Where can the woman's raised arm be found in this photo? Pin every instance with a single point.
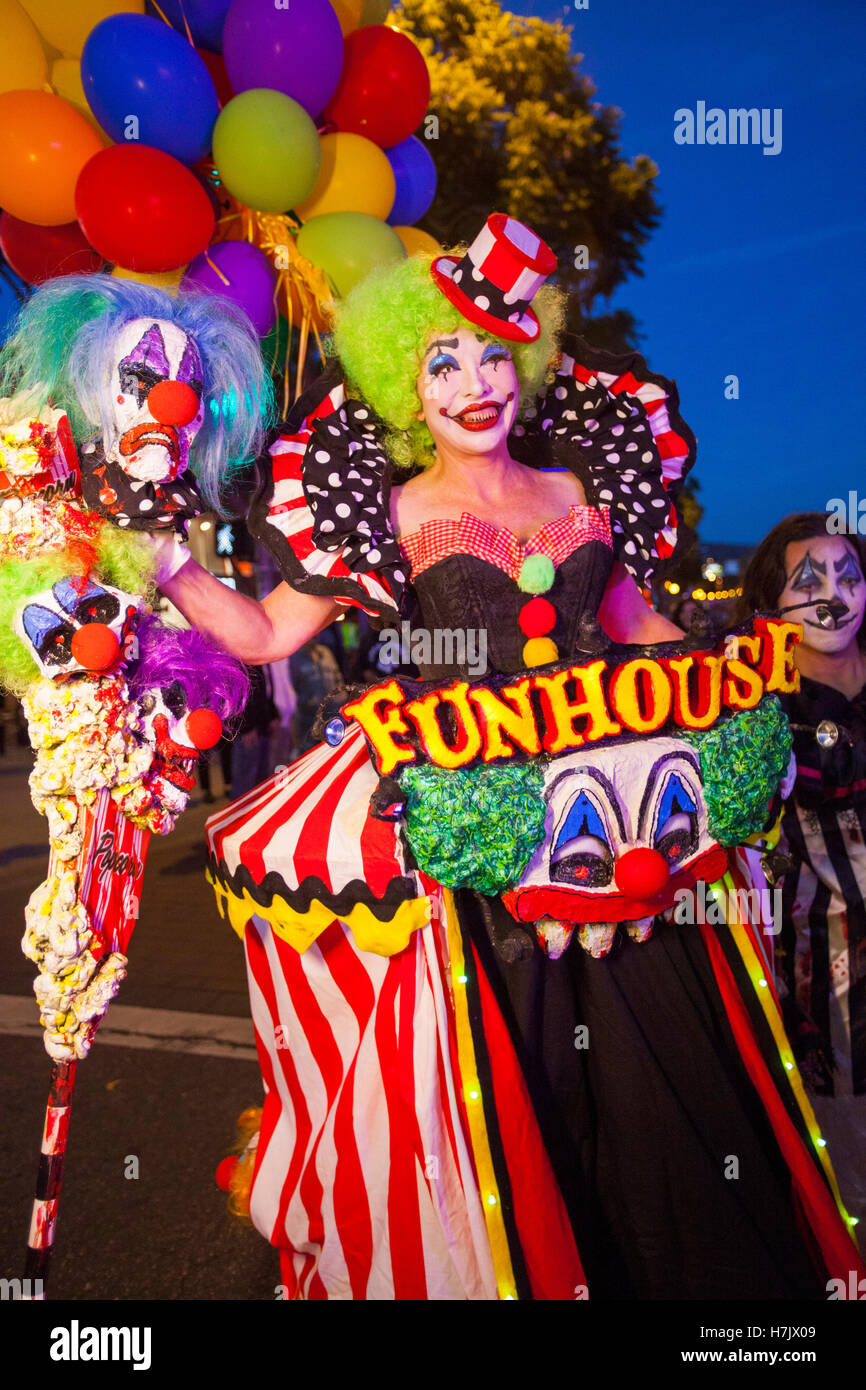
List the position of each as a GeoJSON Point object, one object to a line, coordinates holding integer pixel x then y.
{"type": "Point", "coordinates": [255, 632]}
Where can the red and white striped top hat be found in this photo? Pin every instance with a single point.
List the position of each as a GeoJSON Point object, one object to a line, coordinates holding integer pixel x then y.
{"type": "Point", "coordinates": [494, 283]}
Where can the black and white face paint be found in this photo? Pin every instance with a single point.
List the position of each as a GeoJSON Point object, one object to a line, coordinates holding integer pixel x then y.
{"type": "Point", "coordinates": [824, 570]}
{"type": "Point", "coordinates": [156, 400]}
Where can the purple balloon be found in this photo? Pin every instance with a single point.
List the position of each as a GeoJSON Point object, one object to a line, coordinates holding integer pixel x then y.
{"type": "Point", "coordinates": [251, 280]}
{"type": "Point", "coordinates": [296, 49]}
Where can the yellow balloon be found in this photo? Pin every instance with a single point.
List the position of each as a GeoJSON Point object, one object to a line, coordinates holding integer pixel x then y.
{"type": "Point", "coordinates": [418, 242]}
{"type": "Point", "coordinates": [66, 23]}
{"type": "Point", "coordinates": [349, 13]}
{"type": "Point", "coordinates": [66, 80]}
{"type": "Point", "coordinates": [355, 176]}
{"type": "Point", "coordinates": [167, 280]}
{"type": "Point", "coordinates": [22, 57]}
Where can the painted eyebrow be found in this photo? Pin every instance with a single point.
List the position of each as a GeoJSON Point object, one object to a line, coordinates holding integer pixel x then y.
{"type": "Point", "coordinates": [797, 574]}
{"type": "Point", "coordinates": [443, 343]}
{"type": "Point", "coordinates": [848, 567]}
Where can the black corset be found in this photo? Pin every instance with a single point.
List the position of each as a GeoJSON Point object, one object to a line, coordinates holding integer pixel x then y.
{"type": "Point", "coordinates": [463, 592]}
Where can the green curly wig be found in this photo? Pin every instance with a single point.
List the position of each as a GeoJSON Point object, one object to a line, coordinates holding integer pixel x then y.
{"type": "Point", "coordinates": [381, 332]}
{"type": "Point", "coordinates": [743, 760]}
{"type": "Point", "coordinates": [475, 827]}
{"type": "Point", "coordinates": [124, 561]}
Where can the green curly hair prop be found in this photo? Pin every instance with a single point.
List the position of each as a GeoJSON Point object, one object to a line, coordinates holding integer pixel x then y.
{"type": "Point", "coordinates": [124, 561]}
{"type": "Point", "coordinates": [381, 332]}
{"type": "Point", "coordinates": [475, 827]}
{"type": "Point", "coordinates": [743, 760]}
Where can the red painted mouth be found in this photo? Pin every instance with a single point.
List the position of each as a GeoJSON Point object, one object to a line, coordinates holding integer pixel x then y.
{"type": "Point", "coordinates": [480, 416]}
{"type": "Point", "coordinates": [178, 761]}
{"type": "Point", "coordinates": [142, 435]}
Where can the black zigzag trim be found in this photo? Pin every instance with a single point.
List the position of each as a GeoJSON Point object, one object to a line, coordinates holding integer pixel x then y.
{"type": "Point", "coordinates": [400, 889]}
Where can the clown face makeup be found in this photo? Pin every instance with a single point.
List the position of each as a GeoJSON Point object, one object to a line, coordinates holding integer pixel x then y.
{"type": "Point", "coordinates": [607, 858]}
{"type": "Point", "coordinates": [468, 390]}
{"type": "Point", "coordinates": [176, 734]}
{"type": "Point", "coordinates": [77, 627]}
{"type": "Point", "coordinates": [825, 569]}
{"type": "Point", "coordinates": [156, 400]}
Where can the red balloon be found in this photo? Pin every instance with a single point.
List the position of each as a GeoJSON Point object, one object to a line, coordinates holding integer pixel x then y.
{"type": "Point", "coordinates": [215, 64]}
{"type": "Point", "coordinates": [384, 86]}
{"type": "Point", "coordinates": [40, 253]}
{"type": "Point", "coordinates": [225, 1172]}
{"type": "Point", "coordinates": [641, 873]}
{"type": "Point", "coordinates": [143, 209]}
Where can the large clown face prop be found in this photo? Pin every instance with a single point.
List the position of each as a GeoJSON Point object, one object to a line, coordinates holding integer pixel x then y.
{"type": "Point", "coordinates": [626, 828]}
{"type": "Point", "coordinates": [78, 627]}
{"type": "Point", "coordinates": [156, 400]}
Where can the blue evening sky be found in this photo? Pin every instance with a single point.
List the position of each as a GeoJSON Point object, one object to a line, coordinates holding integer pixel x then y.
{"type": "Point", "coordinates": [757, 266]}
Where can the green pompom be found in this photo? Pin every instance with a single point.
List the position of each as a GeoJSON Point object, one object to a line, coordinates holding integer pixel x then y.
{"type": "Point", "coordinates": [743, 760]}
{"type": "Point", "coordinates": [475, 827]}
{"type": "Point", "coordinates": [536, 574]}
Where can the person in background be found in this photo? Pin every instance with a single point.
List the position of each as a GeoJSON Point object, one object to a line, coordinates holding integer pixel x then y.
{"type": "Point", "coordinates": [251, 750]}
{"type": "Point", "coordinates": [315, 671]}
{"type": "Point", "coordinates": [818, 578]}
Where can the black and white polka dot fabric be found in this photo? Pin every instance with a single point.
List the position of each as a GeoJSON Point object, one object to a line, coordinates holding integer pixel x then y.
{"type": "Point", "coordinates": [135, 504]}
{"type": "Point", "coordinates": [345, 487]}
{"type": "Point", "coordinates": [630, 447]}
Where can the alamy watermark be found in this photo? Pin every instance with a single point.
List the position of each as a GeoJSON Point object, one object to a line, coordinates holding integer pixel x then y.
{"type": "Point", "coordinates": [737, 126]}
{"type": "Point", "coordinates": [846, 516]}
{"type": "Point", "coordinates": [761, 907]}
{"type": "Point", "coordinates": [465, 647]}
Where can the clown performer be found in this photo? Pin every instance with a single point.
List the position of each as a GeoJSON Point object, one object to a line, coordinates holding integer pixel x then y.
{"type": "Point", "coordinates": [818, 576]}
{"type": "Point", "coordinates": [496, 1065]}
{"type": "Point", "coordinates": [113, 421]}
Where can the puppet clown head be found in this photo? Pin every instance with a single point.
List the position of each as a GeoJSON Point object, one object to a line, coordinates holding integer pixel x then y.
{"type": "Point", "coordinates": [156, 402]}
{"type": "Point", "coordinates": [626, 829]}
{"type": "Point", "coordinates": [80, 626]}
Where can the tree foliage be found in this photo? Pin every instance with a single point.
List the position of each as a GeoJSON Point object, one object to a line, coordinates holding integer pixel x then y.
{"type": "Point", "coordinates": [519, 132]}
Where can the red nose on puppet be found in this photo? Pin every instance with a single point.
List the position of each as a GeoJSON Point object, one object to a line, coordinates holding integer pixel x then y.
{"type": "Point", "coordinates": [204, 727]}
{"type": "Point", "coordinates": [95, 647]}
{"type": "Point", "coordinates": [641, 873]}
{"type": "Point", "coordinates": [172, 402]}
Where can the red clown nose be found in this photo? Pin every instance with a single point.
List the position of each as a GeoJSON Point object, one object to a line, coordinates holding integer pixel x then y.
{"type": "Point", "coordinates": [204, 727]}
{"type": "Point", "coordinates": [172, 402]}
{"type": "Point", "coordinates": [95, 647]}
{"type": "Point", "coordinates": [641, 873]}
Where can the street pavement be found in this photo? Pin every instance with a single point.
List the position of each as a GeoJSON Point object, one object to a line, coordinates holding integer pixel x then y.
{"type": "Point", "coordinates": [169, 1073]}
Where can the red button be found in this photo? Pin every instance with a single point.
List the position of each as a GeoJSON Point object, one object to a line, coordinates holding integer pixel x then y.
{"type": "Point", "coordinates": [537, 617]}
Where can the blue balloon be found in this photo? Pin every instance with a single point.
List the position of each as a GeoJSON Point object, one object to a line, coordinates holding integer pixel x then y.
{"type": "Point", "coordinates": [415, 174]}
{"type": "Point", "coordinates": [144, 82]}
{"type": "Point", "coordinates": [204, 17]}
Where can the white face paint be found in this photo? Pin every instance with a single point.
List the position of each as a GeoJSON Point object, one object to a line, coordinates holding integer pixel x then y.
{"type": "Point", "coordinates": [468, 390]}
{"type": "Point", "coordinates": [824, 569]}
{"type": "Point", "coordinates": [150, 434]}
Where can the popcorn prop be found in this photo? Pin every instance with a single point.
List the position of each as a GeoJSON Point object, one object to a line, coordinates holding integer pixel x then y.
{"type": "Point", "coordinates": [118, 704]}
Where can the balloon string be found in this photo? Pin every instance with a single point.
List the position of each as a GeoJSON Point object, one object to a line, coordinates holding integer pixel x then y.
{"type": "Point", "coordinates": [215, 268]}
{"type": "Point", "coordinates": [185, 22]}
{"type": "Point", "coordinates": [161, 14]}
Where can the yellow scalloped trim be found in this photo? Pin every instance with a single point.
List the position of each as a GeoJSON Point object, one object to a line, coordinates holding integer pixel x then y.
{"type": "Point", "coordinates": [300, 929]}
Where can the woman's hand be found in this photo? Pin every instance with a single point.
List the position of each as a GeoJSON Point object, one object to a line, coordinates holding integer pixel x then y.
{"type": "Point", "coordinates": [255, 632]}
{"type": "Point", "coordinates": [626, 616]}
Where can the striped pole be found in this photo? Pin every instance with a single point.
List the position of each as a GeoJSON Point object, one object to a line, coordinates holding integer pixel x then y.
{"type": "Point", "coordinates": [49, 1178]}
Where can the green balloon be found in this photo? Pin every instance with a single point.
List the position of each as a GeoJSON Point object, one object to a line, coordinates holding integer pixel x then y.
{"type": "Point", "coordinates": [266, 150]}
{"type": "Point", "coordinates": [348, 245]}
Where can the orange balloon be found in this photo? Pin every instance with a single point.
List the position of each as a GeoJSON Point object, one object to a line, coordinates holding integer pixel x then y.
{"type": "Point", "coordinates": [44, 145]}
{"type": "Point", "coordinates": [418, 242]}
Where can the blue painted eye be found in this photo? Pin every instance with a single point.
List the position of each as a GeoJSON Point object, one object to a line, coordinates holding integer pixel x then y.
{"type": "Point", "coordinates": [676, 827]}
{"type": "Point", "coordinates": [675, 801]}
{"type": "Point", "coordinates": [494, 353]}
{"type": "Point", "coordinates": [442, 362]}
{"type": "Point", "coordinates": [582, 820]}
